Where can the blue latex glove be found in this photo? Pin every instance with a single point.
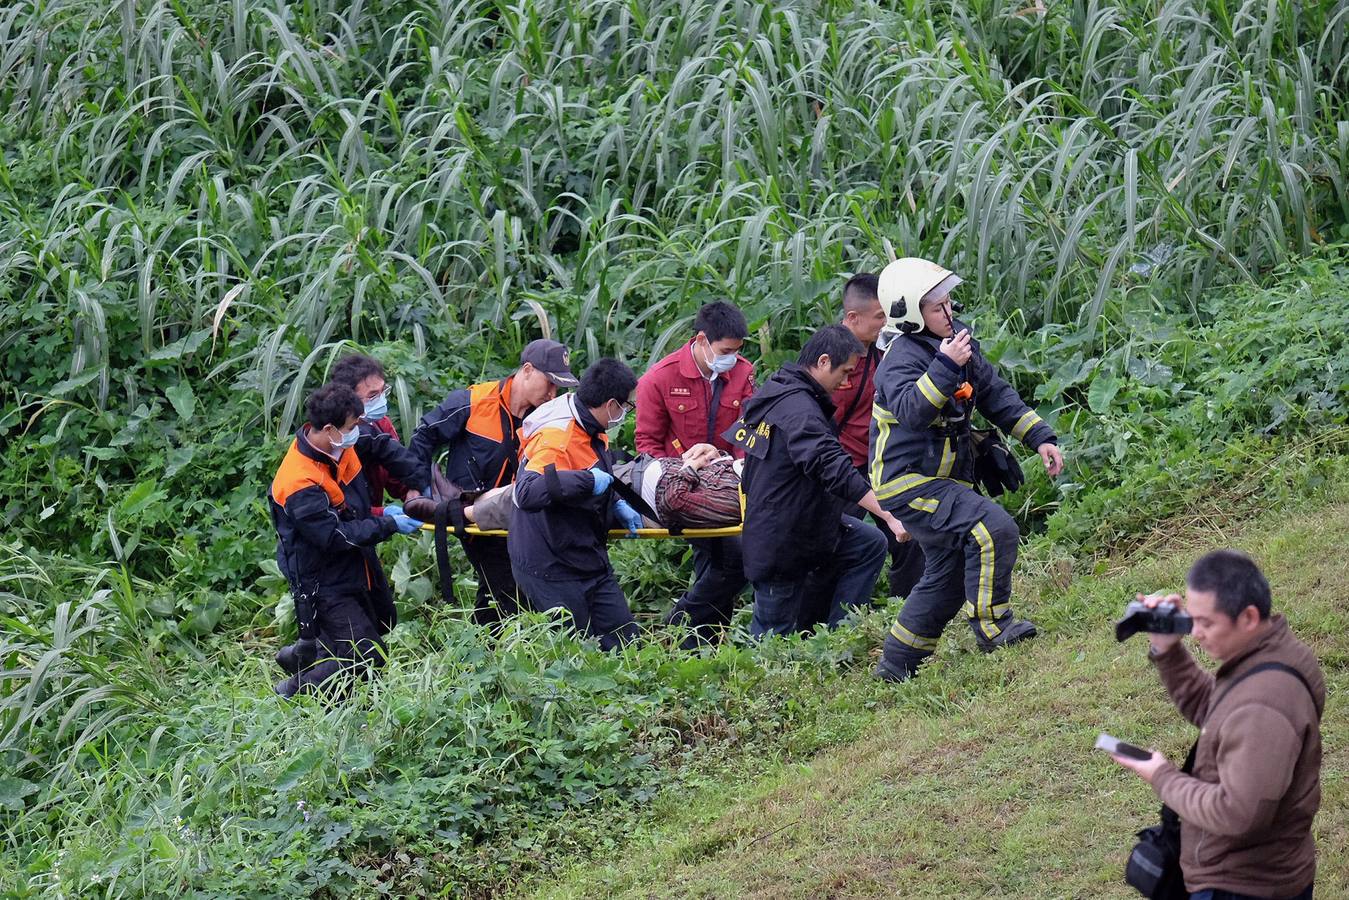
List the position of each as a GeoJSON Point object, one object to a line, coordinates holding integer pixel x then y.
{"type": "Point", "coordinates": [629, 517]}
{"type": "Point", "coordinates": [406, 524]}
{"type": "Point", "coordinates": [602, 481]}
{"type": "Point", "coordinates": [393, 509]}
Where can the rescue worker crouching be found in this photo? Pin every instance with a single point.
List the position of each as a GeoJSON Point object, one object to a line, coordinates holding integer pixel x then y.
{"type": "Point", "coordinates": [365, 376]}
{"type": "Point", "coordinates": [564, 498]}
{"type": "Point", "coordinates": [923, 467]}
{"type": "Point", "coordinates": [481, 427]}
{"type": "Point", "coordinates": [809, 562]}
{"type": "Point", "coordinates": [326, 538]}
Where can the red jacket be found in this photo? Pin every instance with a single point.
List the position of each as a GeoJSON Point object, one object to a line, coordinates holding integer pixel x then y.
{"type": "Point", "coordinates": [377, 477]}
{"type": "Point", "coordinates": [673, 399]}
{"type": "Point", "coordinates": [852, 407]}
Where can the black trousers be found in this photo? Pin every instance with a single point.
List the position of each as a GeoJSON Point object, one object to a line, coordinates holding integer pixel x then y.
{"type": "Point", "coordinates": [498, 594]}
{"type": "Point", "coordinates": [969, 545]}
{"type": "Point", "coordinates": [350, 642]}
{"type": "Point", "coordinates": [597, 605]}
{"type": "Point", "coordinates": [718, 581]}
{"type": "Point", "coordinates": [906, 559]}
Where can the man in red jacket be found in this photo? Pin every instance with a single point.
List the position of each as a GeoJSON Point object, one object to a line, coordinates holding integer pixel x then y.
{"type": "Point", "coordinates": [365, 376]}
{"type": "Point", "coordinates": [863, 316]}
{"type": "Point", "coordinates": [691, 397]}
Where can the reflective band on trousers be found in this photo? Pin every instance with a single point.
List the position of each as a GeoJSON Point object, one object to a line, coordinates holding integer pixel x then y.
{"type": "Point", "coordinates": [983, 601]}
{"type": "Point", "coordinates": [905, 636]}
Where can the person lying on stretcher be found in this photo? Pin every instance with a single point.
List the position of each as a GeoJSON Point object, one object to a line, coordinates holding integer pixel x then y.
{"type": "Point", "coordinates": [700, 489]}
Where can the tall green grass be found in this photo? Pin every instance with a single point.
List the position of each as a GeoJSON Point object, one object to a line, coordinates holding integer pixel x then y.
{"type": "Point", "coordinates": [281, 177]}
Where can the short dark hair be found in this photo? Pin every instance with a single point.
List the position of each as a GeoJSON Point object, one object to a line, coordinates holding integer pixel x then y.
{"type": "Point", "coordinates": [332, 404]}
{"type": "Point", "coordinates": [351, 370]}
{"type": "Point", "coordinates": [862, 290]}
{"type": "Point", "coordinates": [719, 320]}
{"type": "Point", "coordinates": [835, 340]}
{"type": "Point", "coordinates": [1232, 577]}
{"type": "Point", "coordinates": [606, 379]}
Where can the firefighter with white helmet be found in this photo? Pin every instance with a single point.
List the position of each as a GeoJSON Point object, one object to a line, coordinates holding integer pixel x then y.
{"type": "Point", "coordinates": [932, 379]}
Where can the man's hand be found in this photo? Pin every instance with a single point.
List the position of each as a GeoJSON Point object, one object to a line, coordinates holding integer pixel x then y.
{"type": "Point", "coordinates": [1146, 769]}
{"type": "Point", "coordinates": [700, 455]}
{"type": "Point", "coordinates": [1161, 642]}
{"type": "Point", "coordinates": [1053, 458]}
{"type": "Point", "coordinates": [957, 349]}
{"type": "Point", "coordinates": [897, 528]}
{"type": "Point", "coordinates": [393, 509]}
{"type": "Point", "coordinates": [406, 524]}
{"type": "Point", "coordinates": [411, 495]}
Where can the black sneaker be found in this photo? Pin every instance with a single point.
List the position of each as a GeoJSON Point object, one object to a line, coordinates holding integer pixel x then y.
{"type": "Point", "coordinates": [1015, 632]}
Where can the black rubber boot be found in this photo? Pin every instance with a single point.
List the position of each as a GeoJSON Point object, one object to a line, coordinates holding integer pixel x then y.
{"type": "Point", "coordinates": [287, 687]}
{"type": "Point", "coordinates": [1014, 632]}
{"type": "Point", "coordinates": [898, 662]}
{"type": "Point", "coordinates": [285, 658]}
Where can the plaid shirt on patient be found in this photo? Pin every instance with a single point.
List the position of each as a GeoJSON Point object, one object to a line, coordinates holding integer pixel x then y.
{"type": "Point", "coordinates": [707, 498]}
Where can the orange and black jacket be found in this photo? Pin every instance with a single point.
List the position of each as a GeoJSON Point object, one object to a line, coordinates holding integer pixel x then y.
{"type": "Point", "coordinates": [559, 527]}
{"type": "Point", "coordinates": [326, 535]}
{"type": "Point", "coordinates": [482, 435]}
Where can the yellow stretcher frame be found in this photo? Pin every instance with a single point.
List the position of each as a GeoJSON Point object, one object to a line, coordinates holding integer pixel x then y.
{"type": "Point", "coordinates": [618, 533]}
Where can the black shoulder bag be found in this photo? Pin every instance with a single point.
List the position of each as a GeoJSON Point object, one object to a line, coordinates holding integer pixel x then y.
{"type": "Point", "coordinates": [1153, 867]}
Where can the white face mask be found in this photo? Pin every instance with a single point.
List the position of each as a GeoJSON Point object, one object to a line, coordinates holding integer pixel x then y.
{"type": "Point", "coordinates": [721, 363]}
{"type": "Point", "coordinates": [347, 439]}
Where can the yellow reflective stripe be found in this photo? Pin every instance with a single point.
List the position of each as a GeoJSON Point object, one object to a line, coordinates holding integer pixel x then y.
{"type": "Point", "coordinates": [928, 387]}
{"type": "Point", "coordinates": [948, 458]}
{"type": "Point", "coordinates": [1024, 424]}
{"type": "Point", "coordinates": [983, 601]}
{"type": "Point", "coordinates": [924, 504]}
{"type": "Point", "coordinates": [881, 414]}
{"type": "Point", "coordinates": [905, 636]}
{"type": "Point", "coordinates": [878, 455]}
{"type": "Point", "coordinates": [997, 609]}
{"type": "Point", "coordinates": [897, 486]}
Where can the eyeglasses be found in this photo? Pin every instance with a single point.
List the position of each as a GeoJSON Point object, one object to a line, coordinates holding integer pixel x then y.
{"type": "Point", "coordinates": [382, 395]}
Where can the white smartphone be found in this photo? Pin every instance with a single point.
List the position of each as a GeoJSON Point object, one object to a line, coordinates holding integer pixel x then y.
{"type": "Point", "coordinates": [1115, 745]}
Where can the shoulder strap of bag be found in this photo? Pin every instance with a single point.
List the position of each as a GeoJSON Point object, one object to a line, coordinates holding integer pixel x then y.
{"type": "Point", "coordinates": [1264, 667]}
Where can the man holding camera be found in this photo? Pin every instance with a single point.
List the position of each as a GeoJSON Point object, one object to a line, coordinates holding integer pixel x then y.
{"type": "Point", "coordinates": [1246, 806]}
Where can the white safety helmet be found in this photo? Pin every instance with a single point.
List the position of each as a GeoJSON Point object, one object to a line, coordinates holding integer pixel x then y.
{"type": "Point", "coordinates": [904, 284]}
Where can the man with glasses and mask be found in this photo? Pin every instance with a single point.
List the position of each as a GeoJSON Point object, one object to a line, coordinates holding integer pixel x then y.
{"type": "Point", "coordinates": [480, 427]}
{"type": "Point", "coordinates": [326, 538]}
{"type": "Point", "coordinates": [365, 376]}
{"type": "Point", "coordinates": [565, 501]}
{"type": "Point", "coordinates": [692, 397]}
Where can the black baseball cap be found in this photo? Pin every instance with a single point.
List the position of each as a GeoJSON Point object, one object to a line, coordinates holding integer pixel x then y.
{"type": "Point", "coordinates": [552, 359]}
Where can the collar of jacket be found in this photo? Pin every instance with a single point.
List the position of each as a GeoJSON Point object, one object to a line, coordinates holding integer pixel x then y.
{"type": "Point", "coordinates": [1276, 630]}
{"type": "Point", "coordinates": [586, 420]}
{"type": "Point", "coordinates": [688, 368]}
{"type": "Point", "coordinates": [314, 453]}
{"type": "Point", "coordinates": [798, 372]}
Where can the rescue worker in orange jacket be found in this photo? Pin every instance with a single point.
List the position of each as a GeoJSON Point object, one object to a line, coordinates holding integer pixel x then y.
{"type": "Point", "coordinates": [326, 539]}
{"type": "Point", "coordinates": [565, 501]}
{"type": "Point", "coordinates": [481, 427]}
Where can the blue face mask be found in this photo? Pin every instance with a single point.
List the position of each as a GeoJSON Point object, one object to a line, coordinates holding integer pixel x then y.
{"type": "Point", "coordinates": [376, 409]}
{"type": "Point", "coordinates": [348, 439]}
{"type": "Point", "coordinates": [719, 363]}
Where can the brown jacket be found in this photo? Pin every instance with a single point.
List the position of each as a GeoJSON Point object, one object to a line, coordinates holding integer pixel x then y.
{"type": "Point", "coordinates": [1246, 812]}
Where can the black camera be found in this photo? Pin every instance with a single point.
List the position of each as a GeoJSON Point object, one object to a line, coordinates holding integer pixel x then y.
{"type": "Point", "coordinates": [1164, 618]}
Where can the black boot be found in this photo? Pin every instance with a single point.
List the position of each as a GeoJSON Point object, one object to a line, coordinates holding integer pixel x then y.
{"type": "Point", "coordinates": [1013, 632]}
{"type": "Point", "coordinates": [898, 662]}
{"type": "Point", "coordinates": [285, 658]}
{"type": "Point", "coordinates": [287, 687]}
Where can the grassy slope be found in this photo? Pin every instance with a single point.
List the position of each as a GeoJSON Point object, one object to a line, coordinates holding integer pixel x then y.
{"type": "Point", "coordinates": [982, 780]}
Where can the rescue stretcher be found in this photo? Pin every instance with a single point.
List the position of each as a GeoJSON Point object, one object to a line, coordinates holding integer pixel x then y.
{"type": "Point", "coordinates": [618, 533]}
